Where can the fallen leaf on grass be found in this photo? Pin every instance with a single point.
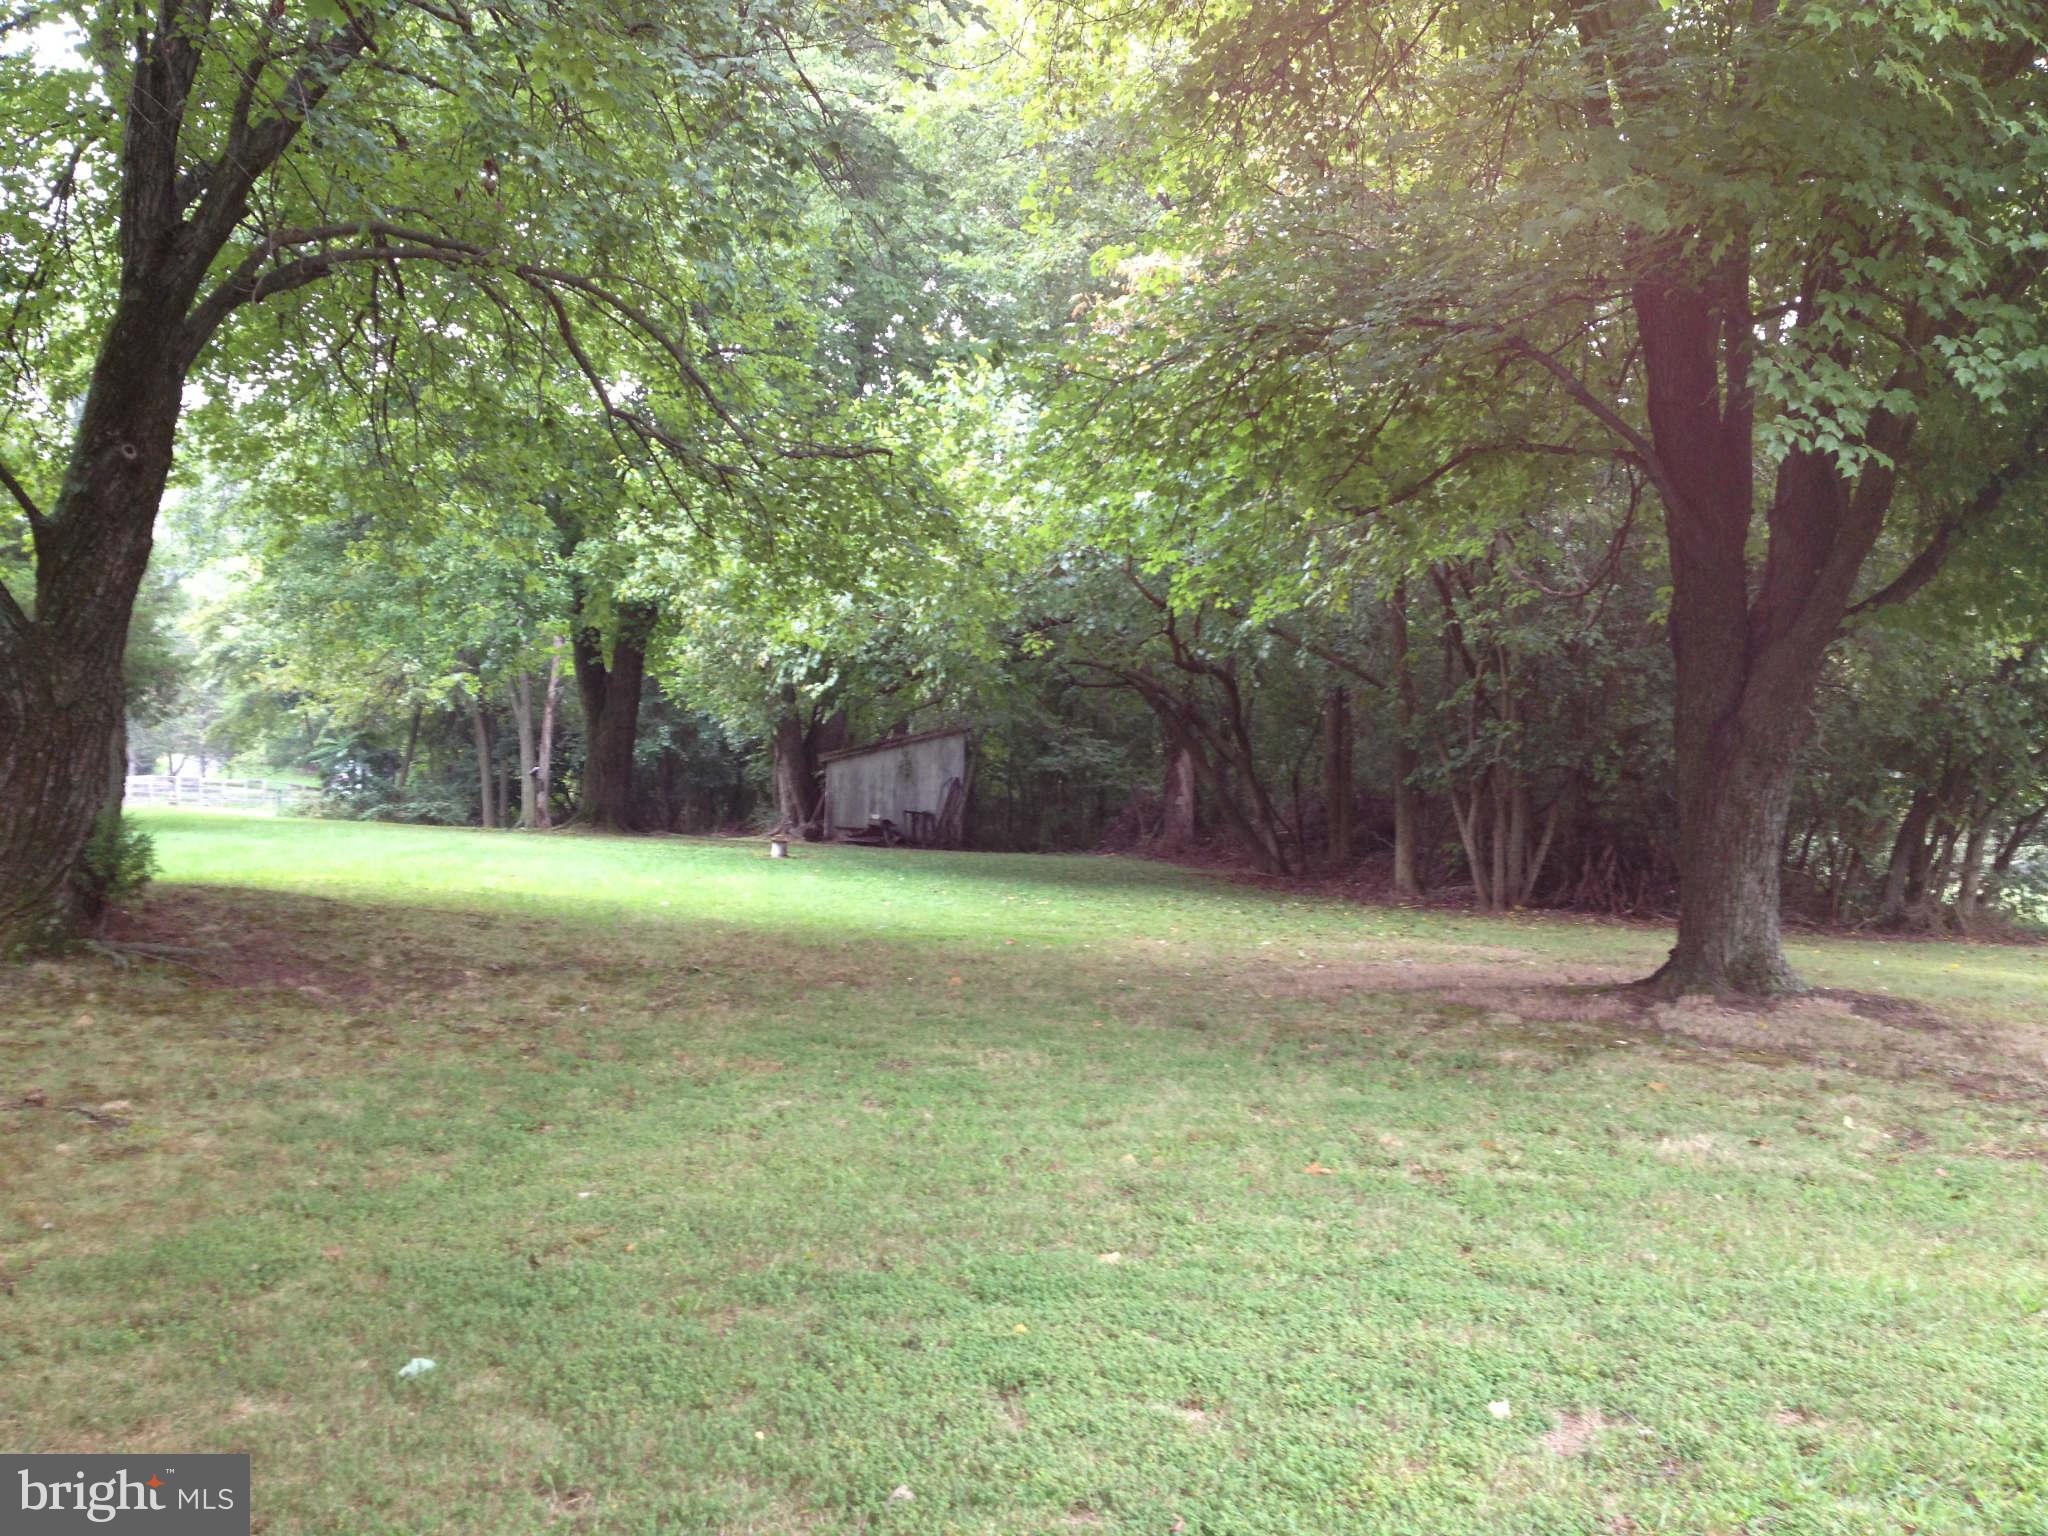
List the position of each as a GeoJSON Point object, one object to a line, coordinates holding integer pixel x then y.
{"type": "Point", "coordinates": [1657, 1088]}
{"type": "Point", "coordinates": [1317, 1168]}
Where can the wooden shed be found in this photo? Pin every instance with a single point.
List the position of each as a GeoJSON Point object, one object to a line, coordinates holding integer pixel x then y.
{"type": "Point", "coordinates": [902, 789]}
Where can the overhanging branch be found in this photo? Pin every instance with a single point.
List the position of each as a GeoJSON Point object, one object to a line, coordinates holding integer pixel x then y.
{"type": "Point", "coordinates": [12, 615]}
{"type": "Point", "coordinates": [1639, 445]}
{"type": "Point", "coordinates": [254, 280]}
{"type": "Point", "coordinates": [1928, 562]}
{"type": "Point", "coordinates": [38, 523]}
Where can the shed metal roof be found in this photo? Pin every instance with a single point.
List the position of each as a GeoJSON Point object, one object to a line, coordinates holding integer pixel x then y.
{"type": "Point", "coordinates": [888, 742]}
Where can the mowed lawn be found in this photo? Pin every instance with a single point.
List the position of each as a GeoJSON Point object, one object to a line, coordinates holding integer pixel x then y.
{"type": "Point", "coordinates": [898, 1192]}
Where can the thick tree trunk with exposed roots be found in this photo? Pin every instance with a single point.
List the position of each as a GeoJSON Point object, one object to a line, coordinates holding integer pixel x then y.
{"type": "Point", "coordinates": [1732, 837]}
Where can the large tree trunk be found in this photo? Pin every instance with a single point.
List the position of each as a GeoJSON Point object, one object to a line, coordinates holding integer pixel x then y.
{"type": "Point", "coordinates": [611, 692]}
{"type": "Point", "coordinates": [62, 705]}
{"type": "Point", "coordinates": [1731, 834]}
{"type": "Point", "coordinates": [1746, 664]}
{"type": "Point", "coordinates": [63, 700]}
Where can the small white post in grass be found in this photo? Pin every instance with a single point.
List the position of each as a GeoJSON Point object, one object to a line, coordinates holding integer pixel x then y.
{"type": "Point", "coordinates": [778, 844]}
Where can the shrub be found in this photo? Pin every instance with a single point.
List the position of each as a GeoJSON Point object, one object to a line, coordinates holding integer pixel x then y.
{"type": "Point", "coordinates": [120, 858]}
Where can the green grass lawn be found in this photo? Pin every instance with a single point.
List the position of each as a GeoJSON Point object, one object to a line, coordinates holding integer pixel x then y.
{"type": "Point", "coordinates": [894, 1192]}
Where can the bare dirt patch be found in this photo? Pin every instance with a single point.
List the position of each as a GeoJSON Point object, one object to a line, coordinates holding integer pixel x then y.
{"type": "Point", "coordinates": [1857, 1031]}
{"type": "Point", "coordinates": [272, 942]}
{"type": "Point", "coordinates": [1574, 1433]}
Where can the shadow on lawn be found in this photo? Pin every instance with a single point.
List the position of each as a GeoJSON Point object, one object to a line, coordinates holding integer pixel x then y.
{"type": "Point", "coordinates": [365, 956]}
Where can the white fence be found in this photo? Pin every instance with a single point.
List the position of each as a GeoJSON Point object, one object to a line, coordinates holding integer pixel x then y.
{"type": "Point", "coordinates": [194, 793]}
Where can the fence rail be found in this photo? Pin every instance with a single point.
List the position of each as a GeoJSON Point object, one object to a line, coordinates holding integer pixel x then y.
{"type": "Point", "coordinates": [213, 794]}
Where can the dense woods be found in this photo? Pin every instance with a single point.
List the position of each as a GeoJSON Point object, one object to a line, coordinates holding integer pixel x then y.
{"type": "Point", "coordinates": [1584, 456]}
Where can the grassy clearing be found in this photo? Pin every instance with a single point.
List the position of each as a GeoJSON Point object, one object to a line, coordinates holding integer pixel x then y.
{"type": "Point", "coordinates": [1064, 1194]}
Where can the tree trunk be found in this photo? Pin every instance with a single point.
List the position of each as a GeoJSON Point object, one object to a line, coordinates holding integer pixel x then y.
{"type": "Point", "coordinates": [611, 692]}
{"type": "Point", "coordinates": [412, 747]}
{"type": "Point", "coordinates": [63, 706]}
{"type": "Point", "coordinates": [1907, 847]}
{"type": "Point", "coordinates": [1746, 666]}
{"type": "Point", "coordinates": [1472, 834]}
{"type": "Point", "coordinates": [1338, 785]}
{"type": "Point", "coordinates": [1407, 761]}
{"type": "Point", "coordinates": [1254, 823]}
{"type": "Point", "coordinates": [544, 758]}
{"type": "Point", "coordinates": [62, 690]}
{"type": "Point", "coordinates": [796, 794]}
{"type": "Point", "coordinates": [480, 733]}
{"type": "Point", "coordinates": [1969, 882]}
{"type": "Point", "coordinates": [522, 722]}
{"type": "Point", "coordinates": [1177, 799]}
{"type": "Point", "coordinates": [1731, 829]}
{"type": "Point", "coordinates": [2022, 832]}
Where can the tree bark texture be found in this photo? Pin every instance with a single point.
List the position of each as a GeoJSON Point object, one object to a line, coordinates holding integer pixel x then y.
{"type": "Point", "coordinates": [544, 761]}
{"type": "Point", "coordinates": [1338, 783]}
{"type": "Point", "coordinates": [63, 695]}
{"type": "Point", "coordinates": [522, 721]}
{"type": "Point", "coordinates": [611, 688]}
{"type": "Point", "coordinates": [1407, 760]}
{"type": "Point", "coordinates": [1177, 800]}
{"type": "Point", "coordinates": [480, 735]}
{"type": "Point", "coordinates": [1747, 661]}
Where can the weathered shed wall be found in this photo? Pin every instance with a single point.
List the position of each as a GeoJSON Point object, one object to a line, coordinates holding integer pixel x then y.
{"type": "Point", "coordinates": [892, 780]}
